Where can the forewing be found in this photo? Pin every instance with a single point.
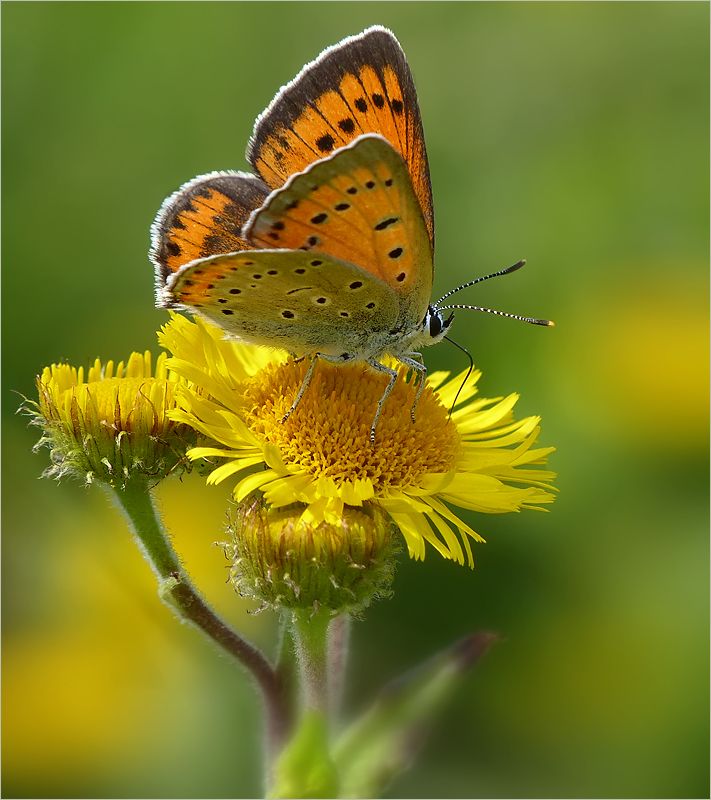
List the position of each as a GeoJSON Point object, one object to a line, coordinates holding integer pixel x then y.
{"type": "Point", "coordinates": [203, 218]}
{"type": "Point", "coordinates": [304, 302]}
{"type": "Point", "coordinates": [361, 85]}
{"type": "Point", "coordinates": [357, 205]}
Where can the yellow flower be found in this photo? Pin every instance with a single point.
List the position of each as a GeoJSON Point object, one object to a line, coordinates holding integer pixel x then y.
{"type": "Point", "coordinates": [478, 458]}
{"type": "Point", "coordinates": [114, 424]}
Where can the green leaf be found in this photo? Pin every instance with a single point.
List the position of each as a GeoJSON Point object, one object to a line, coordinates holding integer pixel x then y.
{"type": "Point", "coordinates": [385, 740]}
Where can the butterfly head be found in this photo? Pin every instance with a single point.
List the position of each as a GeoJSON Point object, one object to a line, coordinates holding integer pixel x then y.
{"type": "Point", "coordinates": [431, 330]}
{"type": "Point", "coordinates": [435, 326]}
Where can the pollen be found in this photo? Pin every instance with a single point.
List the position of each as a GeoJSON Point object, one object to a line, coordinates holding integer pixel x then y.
{"type": "Point", "coordinates": [328, 433]}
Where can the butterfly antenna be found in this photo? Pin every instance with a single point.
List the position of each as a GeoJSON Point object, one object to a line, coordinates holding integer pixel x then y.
{"type": "Point", "coordinates": [466, 377]}
{"type": "Point", "coordinates": [546, 322]}
{"type": "Point", "coordinates": [506, 271]}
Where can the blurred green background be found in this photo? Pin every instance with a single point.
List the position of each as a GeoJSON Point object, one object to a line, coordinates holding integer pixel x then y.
{"type": "Point", "coordinates": [572, 134]}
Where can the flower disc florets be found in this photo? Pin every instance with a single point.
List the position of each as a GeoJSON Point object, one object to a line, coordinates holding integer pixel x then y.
{"type": "Point", "coordinates": [113, 425]}
{"type": "Point", "coordinates": [328, 433]}
{"type": "Point", "coordinates": [284, 562]}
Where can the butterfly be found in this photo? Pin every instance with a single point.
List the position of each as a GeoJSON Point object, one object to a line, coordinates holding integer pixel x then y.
{"type": "Point", "coordinates": [327, 249]}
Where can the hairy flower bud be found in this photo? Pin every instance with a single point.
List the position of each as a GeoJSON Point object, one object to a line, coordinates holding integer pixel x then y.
{"type": "Point", "coordinates": [287, 563]}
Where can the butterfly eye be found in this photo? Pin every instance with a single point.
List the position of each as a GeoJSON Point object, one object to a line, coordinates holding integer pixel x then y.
{"type": "Point", "coordinates": [435, 325]}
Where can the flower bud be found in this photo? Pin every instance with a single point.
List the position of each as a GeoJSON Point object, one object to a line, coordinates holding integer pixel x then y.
{"type": "Point", "coordinates": [285, 562]}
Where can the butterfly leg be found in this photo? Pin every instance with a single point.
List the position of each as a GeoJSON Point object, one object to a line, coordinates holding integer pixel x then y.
{"type": "Point", "coordinates": [419, 367]}
{"type": "Point", "coordinates": [376, 365]}
{"type": "Point", "coordinates": [342, 359]}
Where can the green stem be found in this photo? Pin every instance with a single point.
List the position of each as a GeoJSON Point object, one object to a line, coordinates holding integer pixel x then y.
{"type": "Point", "coordinates": [311, 635]}
{"type": "Point", "coordinates": [305, 767]}
{"type": "Point", "coordinates": [339, 636]}
{"type": "Point", "coordinates": [177, 592]}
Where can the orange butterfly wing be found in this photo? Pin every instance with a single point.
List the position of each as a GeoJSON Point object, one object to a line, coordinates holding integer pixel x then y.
{"type": "Point", "coordinates": [204, 217]}
{"type": "Point", "coordinates": [359, 206]}
{"type": "Point", "coordinates": [361, 85]}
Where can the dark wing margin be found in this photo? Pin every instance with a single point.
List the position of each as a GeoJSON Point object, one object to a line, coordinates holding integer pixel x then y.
{"type": "Point", "coordinates": [203, 218]}
{"type": "Point", "coordinates": [361, 85]}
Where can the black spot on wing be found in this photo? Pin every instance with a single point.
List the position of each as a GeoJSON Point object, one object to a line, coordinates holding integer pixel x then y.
{"type": "Point", "coordinates": [325, 143]}
{"type": "Point", "coordinates": [386, 223]}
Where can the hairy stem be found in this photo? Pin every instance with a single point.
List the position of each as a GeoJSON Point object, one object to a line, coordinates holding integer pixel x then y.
{"type": "Point", "coordinates": [311, 636]}
{"type": "Point", "coordinates": [338, 659]}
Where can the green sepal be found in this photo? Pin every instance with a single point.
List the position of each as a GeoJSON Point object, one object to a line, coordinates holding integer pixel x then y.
{"type": "Point", "coordinates": [384, 741]}
{"type": "Point", "coordinates": [305, 767]}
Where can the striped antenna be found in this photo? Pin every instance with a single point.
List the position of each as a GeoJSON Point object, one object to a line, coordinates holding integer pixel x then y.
{"type": "Point", "coordinates": [506, 271]}
{"type": "Point", "coordinates": [545, 322]}
{"type": "Point", "coordinates": [548, 323]}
